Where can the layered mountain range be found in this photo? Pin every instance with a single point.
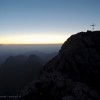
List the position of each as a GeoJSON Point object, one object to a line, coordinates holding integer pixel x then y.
{"type": "Point", "coordinates": [74, 74]}
{"type": "Point", "coordinates": [18, 71]}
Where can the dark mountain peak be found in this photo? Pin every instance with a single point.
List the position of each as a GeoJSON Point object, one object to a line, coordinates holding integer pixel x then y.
{"type": "Point", "coordinates": [79, 57]}
{"type": "Point", "coordinates": [34, 58]}
{"type": "Point", "coordinates": [77, 39]}
{"type": "Point", "coordinates": [17, 71]}
{"type": "Point", "coordinates": [10, 57]}
{"type": "Point", "coordinates": [74, 73]}
{"type": "Point", "coordinates": [18, 57]}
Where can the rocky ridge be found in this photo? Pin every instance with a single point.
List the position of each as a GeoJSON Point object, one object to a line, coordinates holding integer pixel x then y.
{"type": "Point", "coordinates": [73, 74]}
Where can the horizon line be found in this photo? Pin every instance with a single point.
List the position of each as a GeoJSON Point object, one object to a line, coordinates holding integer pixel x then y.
{"type": "Point", "coordinates": [30, 43]}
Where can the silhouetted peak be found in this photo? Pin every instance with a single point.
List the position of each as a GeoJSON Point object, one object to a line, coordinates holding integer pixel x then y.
{"type": "Point", "coordinates": [78, 40]}
{"type": "Point", "coordinates": [35, 59]}
{"type": "Point", "coordinates": [74, 73]}
{"type": "Point", "coordinates": [9, 59]}
{"type": "Point", "coordinates": [17, 71]}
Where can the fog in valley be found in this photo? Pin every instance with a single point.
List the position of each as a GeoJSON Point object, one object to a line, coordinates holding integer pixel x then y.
{"type": "Point", "coordinates": [22, 64]}
{"type": "Point", "coordinates": [41, 50]}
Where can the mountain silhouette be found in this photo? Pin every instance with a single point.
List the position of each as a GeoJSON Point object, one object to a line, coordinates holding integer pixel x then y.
{"type": "Point", "coordinates": [43, 55]}
{"type": "Point", "coordinates": [18, 71]}
{"type": "Point", "coordinates": [74, 74]}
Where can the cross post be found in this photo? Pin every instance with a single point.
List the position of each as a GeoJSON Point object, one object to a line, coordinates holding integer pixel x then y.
{"type": "Point", "coordinates": [93, 25]}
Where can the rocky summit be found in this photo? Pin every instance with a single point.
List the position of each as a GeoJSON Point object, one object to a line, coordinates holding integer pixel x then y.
{"type": "Point", "coordinates": [74, 74]}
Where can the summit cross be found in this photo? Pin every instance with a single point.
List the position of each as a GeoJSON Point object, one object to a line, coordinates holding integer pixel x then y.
{"type": "Point", "coordinates": [93, 25]}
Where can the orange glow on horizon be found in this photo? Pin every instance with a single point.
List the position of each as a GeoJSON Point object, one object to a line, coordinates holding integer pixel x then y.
{"type": "Point", "coordinates": [33, 39]}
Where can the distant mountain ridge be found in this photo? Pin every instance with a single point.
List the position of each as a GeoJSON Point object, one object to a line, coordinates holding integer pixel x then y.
{"type": "Point", "coordinates": [74, 74]}
{"type": "Point", "coordinates": [18, 71]}
{"type": "Point", "coordinates": [44, 56]}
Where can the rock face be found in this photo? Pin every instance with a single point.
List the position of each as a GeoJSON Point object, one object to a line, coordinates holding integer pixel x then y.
{"type": "Point", "coordinates": [74, 74]}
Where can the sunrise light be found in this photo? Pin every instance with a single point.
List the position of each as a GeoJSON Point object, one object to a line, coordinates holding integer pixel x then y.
{"type": "Point", "coordinates": [33, 39]}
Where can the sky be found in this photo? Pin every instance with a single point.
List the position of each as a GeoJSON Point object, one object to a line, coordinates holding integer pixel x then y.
{"type": "Point", "coordinates": [46, 21]}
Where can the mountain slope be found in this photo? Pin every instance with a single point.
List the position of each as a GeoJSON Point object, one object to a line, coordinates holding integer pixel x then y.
{"type": "Point", "coordinates": [18, 71]}
{"type": "Point", "coordinates": [73, 74]}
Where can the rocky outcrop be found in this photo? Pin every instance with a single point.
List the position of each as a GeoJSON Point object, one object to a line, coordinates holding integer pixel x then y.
{"type": "Point", "coordinates": [73, 74]}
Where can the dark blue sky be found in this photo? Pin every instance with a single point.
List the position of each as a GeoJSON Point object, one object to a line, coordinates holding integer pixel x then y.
{"type": "Point", "coordinates": [53, 18]}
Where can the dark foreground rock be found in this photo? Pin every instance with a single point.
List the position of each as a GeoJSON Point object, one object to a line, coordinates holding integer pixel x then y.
{"type": "Point", "coordinates": [74, 74]}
